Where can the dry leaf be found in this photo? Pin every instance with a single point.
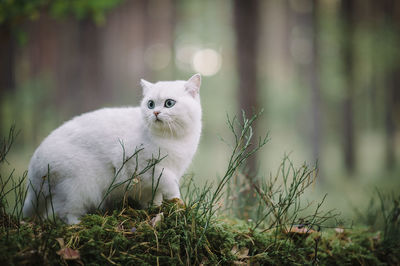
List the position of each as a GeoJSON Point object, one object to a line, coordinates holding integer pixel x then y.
{"type": "Point", "coordinates": [234, 250]}
{"type": "Point", "coordinates": [299, 230]}
{"type": "Point", "coordinates": [341, 233]}
{"type": "Point", "coordinates": [241, 254]}
{"type": "Point", "coordinates": [157, 219]}
{"type": "Point", "coordinates": [60, 242]}
{"type": "Point", "coordinates": [69, 254]}
{"type": "Point", "coordinates": [339, 230]}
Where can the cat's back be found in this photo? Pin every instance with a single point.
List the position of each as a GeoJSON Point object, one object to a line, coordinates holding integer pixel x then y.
{"type": "Point", "coordinates": [95, 131]}
{"type": "Point", "coordinates": [106, 122]}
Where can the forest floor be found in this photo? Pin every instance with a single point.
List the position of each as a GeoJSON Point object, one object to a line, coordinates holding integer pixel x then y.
{"type": "Point", "coordinates": [175, 235]}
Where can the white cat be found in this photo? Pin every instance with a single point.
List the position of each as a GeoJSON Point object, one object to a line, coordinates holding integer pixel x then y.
{"type": "Point", "coordinates": [83, 156]}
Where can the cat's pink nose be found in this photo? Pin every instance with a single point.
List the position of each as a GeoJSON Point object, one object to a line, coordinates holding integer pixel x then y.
{"type": "Point", "coordinates": [156, 113]}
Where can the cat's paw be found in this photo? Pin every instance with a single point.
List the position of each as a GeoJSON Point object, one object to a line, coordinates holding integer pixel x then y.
{"type": "Point", "coordinates": [177, 201]}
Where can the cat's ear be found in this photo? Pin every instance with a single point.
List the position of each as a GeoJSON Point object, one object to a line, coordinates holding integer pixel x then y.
{"type": "Point", "coordinates": [193, 85]}
{"type": "Point", "coordinates": [145, 86]}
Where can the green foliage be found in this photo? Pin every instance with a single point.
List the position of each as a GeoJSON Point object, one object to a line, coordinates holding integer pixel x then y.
{"type": "Point", "coordinates": [383, 213]}
{"type": "Point", "coordinates": [10, 185]}
{"type": "Point", "coordinates": [13, 13]}
{"type": "Point", "coordinates": [94, 9]}
{"type": "Point", "coordinates": [17, 11]}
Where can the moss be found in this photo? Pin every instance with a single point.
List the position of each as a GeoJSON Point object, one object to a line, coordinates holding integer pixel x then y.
{"type": "Point", "coordinates": [127, 237]}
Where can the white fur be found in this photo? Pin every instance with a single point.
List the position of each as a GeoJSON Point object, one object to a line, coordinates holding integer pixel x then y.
{"type": "Point", "coordinates": [83, 155]}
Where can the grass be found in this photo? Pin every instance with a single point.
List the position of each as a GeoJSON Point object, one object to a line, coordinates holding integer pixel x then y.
{"type": "Point", "coordinates": [128, 237]}
{"type": "Point", "coordinates": [281, 230]}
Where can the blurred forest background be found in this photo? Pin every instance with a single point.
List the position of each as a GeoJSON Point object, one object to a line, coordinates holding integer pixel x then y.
{"type": "Point", "coordinates": [326, 73]}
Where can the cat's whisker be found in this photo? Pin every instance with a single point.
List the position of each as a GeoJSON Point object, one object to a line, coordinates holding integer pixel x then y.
{"type": "Point", "coordinates": [170, 128]}
{"type": "Point", "coordinates": [178, 125]}
{"type": "Point", "coordinates": [166, 130]}
{"type": "Point", "coordinates": [173, 125]}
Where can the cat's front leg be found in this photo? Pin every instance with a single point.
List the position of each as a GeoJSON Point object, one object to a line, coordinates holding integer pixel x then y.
{"type": "Point", "coordinates": [170, 190]}
{"type": "Point", "coordinates": [158, 197]}
{"type": "Point", "coordinates": [168, 185]}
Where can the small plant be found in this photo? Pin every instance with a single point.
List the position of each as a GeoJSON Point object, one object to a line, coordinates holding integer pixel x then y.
{"type": "Point", "coordinates": [279, 197]}
{"type": "Point", "coordinates": [383, 215]}
{"type": "Point", "coordinates": [12, 190]}
{"type": "Point", "coordinates": [129, 183]}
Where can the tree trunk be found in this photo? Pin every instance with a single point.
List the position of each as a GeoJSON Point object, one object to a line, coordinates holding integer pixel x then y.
{"type": "Point", "coordinates": [43, 57]}
{"type": "Point", "coordinates": [315, 85]}
{"type": "Point", "coordinates": [94, 92]}
{"type": "Point", "coordinates": [306, 22]}
{"type": "Point", "coordinates": [390, 127]}
{"type": "Point", "coordinates": [246, 23]}
{"type": "Point", "coordinates": [392, 19]}
{"type": "Point", "coordinates": [159, 26]}
{"type": "Point", "coordinates": [7, 81]}
{"type": "Point", "coordinates": [247, 31]}
{"type": "Point", "coordinates": [348, 101]}
{"type": "Point", "coordinates": [123, 44]}
{"type": "Point", "coordinates": [7, 78]}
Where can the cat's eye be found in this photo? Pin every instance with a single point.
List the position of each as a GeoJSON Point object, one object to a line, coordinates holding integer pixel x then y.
{"type": "Point", "coordinates": [151, 104]}
{"type": "Point", "coordinates": [169, 103]}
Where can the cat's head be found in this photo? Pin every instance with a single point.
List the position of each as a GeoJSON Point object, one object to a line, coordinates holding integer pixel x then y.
{"type": "Point", "coordinates": [172, 108]}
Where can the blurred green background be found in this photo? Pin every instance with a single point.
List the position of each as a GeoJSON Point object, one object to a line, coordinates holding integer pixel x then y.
{"type": "Point", "coordinates": [326, 73]}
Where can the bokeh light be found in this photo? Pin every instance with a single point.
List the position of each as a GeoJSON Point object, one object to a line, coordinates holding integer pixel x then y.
{"type": "Point", "coordinates": [184, 56]}
{"type": "Point", "coordinates": [207, 62]}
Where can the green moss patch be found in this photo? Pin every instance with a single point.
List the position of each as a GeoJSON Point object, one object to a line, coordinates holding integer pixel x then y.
{"type": "Point", "coordinates": [147, 237]}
